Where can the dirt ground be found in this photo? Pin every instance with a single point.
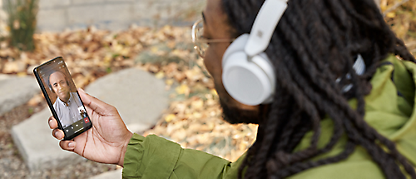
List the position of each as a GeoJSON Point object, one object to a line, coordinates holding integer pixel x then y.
{"type": "Point", "coordinates": [13, 166]}
{"type": "Point", "coordinates": [193, 119]}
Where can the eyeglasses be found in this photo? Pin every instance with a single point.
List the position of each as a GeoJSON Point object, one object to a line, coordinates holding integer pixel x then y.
{"type": "Point", "coordinates": [201, 43]}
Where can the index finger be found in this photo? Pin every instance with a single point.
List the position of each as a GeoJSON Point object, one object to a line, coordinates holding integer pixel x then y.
{"type": "Point", "coordinates": [52, 122]}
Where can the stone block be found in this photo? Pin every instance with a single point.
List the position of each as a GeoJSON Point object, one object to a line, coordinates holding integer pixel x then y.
{"type": "Point", "coordinates": [138, 96]}
{"type": "Point", "coordinates": [4, 76]}
{"type": "Point", "coordinates": [94, 14]}
{"type": "Point", "coordinates": [15, 91]}
{"type": "Point", "coordinates": [162, 12]}
{"type": "Point", "coordinates": [82, 2]}
{"type": "Point", "coordinates": [49, 4]}
{"type": "Point", "coordinates": [116, 174]}
{"type": "Point", "coordinates": [150, 10]}
{"type": "Point", "coordinates": [121, 1]}
{"type": "Point", "coordinates": [57, 15]}
{"type": "Point", "coordinates": [51, 20]}
{"type": "Point", "coordinates": [36, 145]}
{"type": "Point", "coordinates": [113, 25]}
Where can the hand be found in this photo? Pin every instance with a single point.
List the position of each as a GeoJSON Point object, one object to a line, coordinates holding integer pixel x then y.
{"type": "Point", "coordinates": [106, 141]}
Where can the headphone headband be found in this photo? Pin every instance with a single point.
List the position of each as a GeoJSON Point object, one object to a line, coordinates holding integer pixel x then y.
{"type": "Point", "coordinates": [266, 21]}
{"type": "Point", "coordinates": [248, 74]}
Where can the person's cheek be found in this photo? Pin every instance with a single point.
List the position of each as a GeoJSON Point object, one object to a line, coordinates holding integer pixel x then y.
{"type": "Point", "coordinates": [208, 62]}
{"type": "Point", "coordinates": [65, 87]}
{"type": "Point", "coordinates": [213, 63]}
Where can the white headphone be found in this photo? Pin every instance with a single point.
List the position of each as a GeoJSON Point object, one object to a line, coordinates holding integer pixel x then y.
{"type": "Point", "coordinates": [247, 74]}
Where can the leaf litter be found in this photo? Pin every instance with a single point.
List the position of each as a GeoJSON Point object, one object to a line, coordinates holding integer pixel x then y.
{"type": "Point", "coordinates": [194, 116]}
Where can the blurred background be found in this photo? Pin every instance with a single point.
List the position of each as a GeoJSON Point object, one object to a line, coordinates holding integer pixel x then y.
{"type": "Point", "coordinates": [102, 37]}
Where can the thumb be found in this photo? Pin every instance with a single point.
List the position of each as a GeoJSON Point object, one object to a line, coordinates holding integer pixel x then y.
{"type": "Point", "coordinates": [85, 97]}
{"type": "Point", "coordinates": [95, 104]}
{"type": "Point", "coordinates": [83, 94]}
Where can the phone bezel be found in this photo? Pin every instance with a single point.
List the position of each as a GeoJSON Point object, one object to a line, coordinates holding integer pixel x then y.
{"type": "Point", "coordinates": [48, 100]}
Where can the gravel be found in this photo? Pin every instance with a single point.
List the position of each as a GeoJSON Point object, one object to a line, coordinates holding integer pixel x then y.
{"type": "Point", "coordinates": [12, 164]}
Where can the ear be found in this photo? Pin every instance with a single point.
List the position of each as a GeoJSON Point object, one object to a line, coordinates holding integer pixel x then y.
{"type": "Point", "coordinates": [49, 83]}
{"type": "Point", "coordinates": [51, 89]}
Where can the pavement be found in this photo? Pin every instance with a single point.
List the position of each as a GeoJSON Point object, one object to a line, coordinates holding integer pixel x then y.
{"type": "Point", "coordinates": [139, 97]}
{"type": "Point", "coordinates": [15, 91]}
{"type": "Point", "coordinates": [109, 175]}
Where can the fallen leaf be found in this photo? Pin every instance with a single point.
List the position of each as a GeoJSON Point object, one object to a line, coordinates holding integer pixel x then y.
{"type": "Point", "coordinates": [169, 117]}
{"type": "Point", "coordinates": [160, 75]}
{"type": "Point", "coordinates": [183, 89]}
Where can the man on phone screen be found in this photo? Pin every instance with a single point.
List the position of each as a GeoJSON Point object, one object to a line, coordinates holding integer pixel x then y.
{"type": "Point", "coordinates": [67, 104]}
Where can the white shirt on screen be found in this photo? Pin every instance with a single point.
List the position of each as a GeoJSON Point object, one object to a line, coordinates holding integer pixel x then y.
{"type": "Point", "coordinates": [68, 113]}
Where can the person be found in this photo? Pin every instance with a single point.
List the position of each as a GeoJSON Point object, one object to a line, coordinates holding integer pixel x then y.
{"type": "Point", "coordinates": [341, 104]}
{"type": "Point", "coordinates": [67, 103]}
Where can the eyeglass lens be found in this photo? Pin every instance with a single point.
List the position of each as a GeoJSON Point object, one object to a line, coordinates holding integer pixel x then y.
{"type": "Point", "coordinates": [201, 44]}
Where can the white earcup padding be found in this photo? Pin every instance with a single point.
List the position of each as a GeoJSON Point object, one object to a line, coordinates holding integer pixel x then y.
{"type": "Point", "coordinates": [248, 75]}
{"type": "Point", "coordinates": [250, 81]}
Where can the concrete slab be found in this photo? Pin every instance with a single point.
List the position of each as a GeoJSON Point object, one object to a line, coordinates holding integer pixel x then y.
{"type": "Point", "coordinates": [4, 76]}
{"type": "Point", "coordinates": [160, 12]}
{"type": "Point", "coordinates": [15, 91]}
{"type": "Point", "coordinates": [51, 20]}
{"type": "Point", "coordinates": [82, 2]}
{"type": "Point", "coordinates": [116, 174]}
{"type": "Point", "coordinates": [138, 95]}
{"type": "Point", "coordinates": [48, 4]}
{"type": "Point", "coordinates": [37, 146]}
{"type": "Point", "coordinates": [92, 14]}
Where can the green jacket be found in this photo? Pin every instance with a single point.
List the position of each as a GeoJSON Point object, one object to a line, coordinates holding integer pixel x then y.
{"type": "Point", "coordinates": [389, 109]}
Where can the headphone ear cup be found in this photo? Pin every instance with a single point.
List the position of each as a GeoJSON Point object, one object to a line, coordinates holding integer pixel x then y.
{"type": "Point", "coordinates": [249, 81]}
{"type": "Point", "coordinates": [237, 45]}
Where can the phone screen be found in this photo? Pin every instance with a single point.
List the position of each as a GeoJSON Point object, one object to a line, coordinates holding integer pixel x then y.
{"type": "Point", "coordinates": [62, 97]}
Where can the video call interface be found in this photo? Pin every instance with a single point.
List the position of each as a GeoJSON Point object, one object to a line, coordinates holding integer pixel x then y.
{"type": "Point", "coordinates": [63, 96]}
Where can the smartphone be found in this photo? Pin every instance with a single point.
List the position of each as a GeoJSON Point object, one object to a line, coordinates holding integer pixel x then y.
{"type": "Point", "coordinates": [62, 97]}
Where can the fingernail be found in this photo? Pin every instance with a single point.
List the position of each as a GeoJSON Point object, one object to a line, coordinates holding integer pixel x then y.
{"type": "Point", "coordinates": [49, 122]}
{"type": "Point", "coordinates": [57, 135]}
{"type": "Point", "coordinates": [70, 144]}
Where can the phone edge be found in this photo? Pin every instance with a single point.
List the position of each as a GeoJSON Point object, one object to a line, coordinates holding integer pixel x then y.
{"type": "Point", "coordinates": [45, 93]}
{"type": "Point", "coordinates": [50, 105]}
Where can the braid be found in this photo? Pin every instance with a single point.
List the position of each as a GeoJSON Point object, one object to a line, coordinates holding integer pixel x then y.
{"type": "Point", "coordinates": [315, 43]}
{"type": "Point", "coordinates": [270, 134]}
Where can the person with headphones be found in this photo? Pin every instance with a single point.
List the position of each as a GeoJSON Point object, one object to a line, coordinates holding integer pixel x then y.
{"type": "Point", "coordinates": [66, 104]}
{"type": "Point", "coordinates": [330, 85]}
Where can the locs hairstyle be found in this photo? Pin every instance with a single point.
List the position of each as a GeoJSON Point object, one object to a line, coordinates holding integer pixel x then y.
{"type": "Point", "coordinates": [315, 42]}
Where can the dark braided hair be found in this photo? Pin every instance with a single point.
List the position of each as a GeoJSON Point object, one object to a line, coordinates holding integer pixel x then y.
{"type": "Point", "coordinates": [316, 42]}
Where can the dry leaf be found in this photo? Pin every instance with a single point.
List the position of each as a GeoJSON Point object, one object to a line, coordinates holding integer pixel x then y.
{"type": "Point", "coordinates": [183, 89]}
{"type": "Point", "coordinates": [198, 104]}
{"type": "Point", "coordinates": [169, 117]}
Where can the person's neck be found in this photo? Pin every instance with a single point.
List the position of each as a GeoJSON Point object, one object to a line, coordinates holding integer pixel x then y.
{"type": "Point", "coordinates": [66, 102]}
